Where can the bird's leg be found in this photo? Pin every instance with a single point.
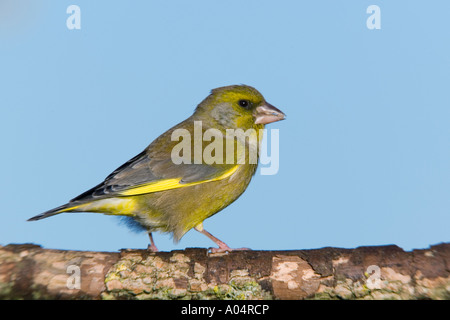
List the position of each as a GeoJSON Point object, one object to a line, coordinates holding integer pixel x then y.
{"type": "Point", "coordinates": [223, 247]}
{"type": "Point", "coordinates": [152, 246]}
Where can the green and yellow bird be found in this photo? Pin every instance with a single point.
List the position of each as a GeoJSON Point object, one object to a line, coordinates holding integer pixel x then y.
{"type": "Point", "coordinates": [165, 194]}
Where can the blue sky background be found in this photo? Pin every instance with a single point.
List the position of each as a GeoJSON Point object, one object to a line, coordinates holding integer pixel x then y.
{"type": "Point", "coordinates": [364, 153]}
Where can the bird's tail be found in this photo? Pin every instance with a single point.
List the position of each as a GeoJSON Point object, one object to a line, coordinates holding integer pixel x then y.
{"type": "Point", "coordinates": [64, 208]}
{"type": "Point", "coordinates": [124, 206]}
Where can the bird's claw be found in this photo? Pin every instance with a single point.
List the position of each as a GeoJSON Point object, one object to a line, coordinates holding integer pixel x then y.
{"type": "Point", "coordinates": [152, 248]}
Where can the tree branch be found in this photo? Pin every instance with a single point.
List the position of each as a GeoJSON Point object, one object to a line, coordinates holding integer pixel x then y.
{"type": "Point", "coordinates": [384, 272]}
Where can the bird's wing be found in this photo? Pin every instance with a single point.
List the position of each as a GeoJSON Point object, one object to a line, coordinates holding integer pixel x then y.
{"type": "Point", "coordinates": [144, 174]}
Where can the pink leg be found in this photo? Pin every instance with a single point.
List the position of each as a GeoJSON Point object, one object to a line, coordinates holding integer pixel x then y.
{"type": "Point", "coordinates": [152, 246]}
{"type": "Point", "coordinates": [223, 247]}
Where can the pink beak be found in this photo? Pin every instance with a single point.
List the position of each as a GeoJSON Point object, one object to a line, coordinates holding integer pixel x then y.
{"type": "Point", "coordinates": [267, 113]}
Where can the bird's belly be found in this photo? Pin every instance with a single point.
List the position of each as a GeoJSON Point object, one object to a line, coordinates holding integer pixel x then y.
{"type": "Point", "coordinates": [179, 210]}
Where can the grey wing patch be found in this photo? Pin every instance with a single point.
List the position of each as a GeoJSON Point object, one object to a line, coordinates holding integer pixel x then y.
{"type": "Point", "coordinates": [199, 172]}
{"type": "Point", "coordinates": [136, 171]}
{"type": "Point", "coordinates": [166, 169]}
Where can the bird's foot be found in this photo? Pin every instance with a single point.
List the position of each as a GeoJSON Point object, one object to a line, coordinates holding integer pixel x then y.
{"type": "Point", "coordinates": [223, 247]}
{"type": "Point", "coordinates": [152, 248]}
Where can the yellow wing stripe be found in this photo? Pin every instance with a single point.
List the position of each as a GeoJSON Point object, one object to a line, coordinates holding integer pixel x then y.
{"type": "Point", "coordinates": [169, 184]}
{"type": "Point", "coordinates": [69, 209]}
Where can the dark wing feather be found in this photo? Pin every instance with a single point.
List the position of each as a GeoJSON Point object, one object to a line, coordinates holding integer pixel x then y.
{"type": "Point", "coordinates": [133, 172]}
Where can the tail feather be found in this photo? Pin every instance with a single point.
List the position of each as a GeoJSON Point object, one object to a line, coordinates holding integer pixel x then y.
{"type": "Point", "coordinates": [111, 206]}
{"type": "Point", "coordinates": [64, 208]}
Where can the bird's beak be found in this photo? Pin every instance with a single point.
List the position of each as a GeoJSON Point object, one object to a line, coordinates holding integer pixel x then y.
{"type": "Point", "coordinates": [267, 113]}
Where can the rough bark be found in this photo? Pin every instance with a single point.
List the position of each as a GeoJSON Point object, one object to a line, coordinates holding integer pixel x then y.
{"type": "Point", "coordinates": [384, 272]}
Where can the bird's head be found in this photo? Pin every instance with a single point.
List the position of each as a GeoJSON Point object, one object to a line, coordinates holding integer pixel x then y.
{"type": "Point", "coordinates": [237, 106]}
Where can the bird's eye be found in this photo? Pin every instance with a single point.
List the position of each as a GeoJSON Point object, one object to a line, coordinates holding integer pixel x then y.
{"type": "Point", "coordinates": [244, 103]}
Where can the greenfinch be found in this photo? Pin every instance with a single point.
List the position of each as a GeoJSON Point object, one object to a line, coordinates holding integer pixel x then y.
{"type": "Point", "coordinates": [179, 180]}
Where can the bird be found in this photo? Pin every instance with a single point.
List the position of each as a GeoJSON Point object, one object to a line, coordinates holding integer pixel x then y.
{"type": "Point", "coordinates": [170, 189]}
